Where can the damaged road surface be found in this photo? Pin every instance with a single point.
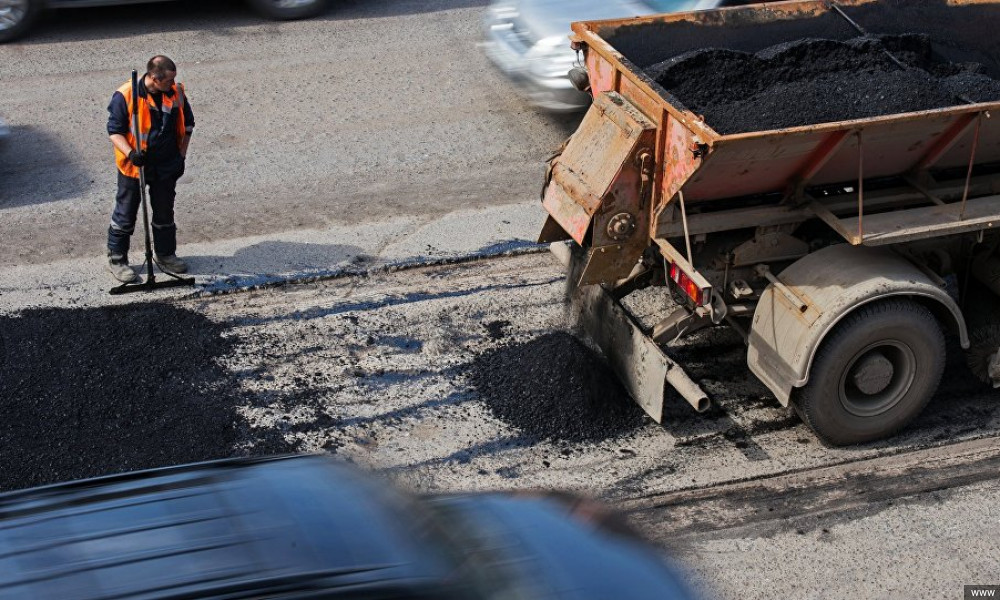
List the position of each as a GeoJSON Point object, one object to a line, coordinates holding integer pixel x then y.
{"type": "Point", "coordinates": [464, 377]}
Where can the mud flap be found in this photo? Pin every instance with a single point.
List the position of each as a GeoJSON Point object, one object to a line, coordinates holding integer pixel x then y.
{"type": "Point", "coordinates": [640, 364]}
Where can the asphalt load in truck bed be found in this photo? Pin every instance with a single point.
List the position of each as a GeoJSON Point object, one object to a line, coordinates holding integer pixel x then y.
{"type": "Point", "coordinates": [819, 81]}
{"type": "Point", "coordinates": [88, 392]}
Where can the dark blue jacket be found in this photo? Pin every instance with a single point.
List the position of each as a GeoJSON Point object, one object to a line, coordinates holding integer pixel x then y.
{"type": "Point", "coordinates": [162, 135]}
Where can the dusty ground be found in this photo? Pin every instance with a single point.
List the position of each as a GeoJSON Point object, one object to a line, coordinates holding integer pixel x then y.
{"type": "Point", "coordinates": [405, 371]}
{"type": "Point", "coordinates": [387, 370]}
{"type": "Point", "coordinates": [373, 112]}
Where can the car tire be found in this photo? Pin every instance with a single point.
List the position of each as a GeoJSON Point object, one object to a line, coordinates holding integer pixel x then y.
{"type": "Point", "coordinates": [873, 374]}
{"type": "Point", "coordinates": [18, 23]}
{"type": "Point", "coordinates": [287, 10]}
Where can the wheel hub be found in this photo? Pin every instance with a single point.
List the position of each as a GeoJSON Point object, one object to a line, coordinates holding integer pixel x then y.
{"type": "Point", "coordinates": [873, 373]}
{"type": "Point", "coordinates": [877, 378]}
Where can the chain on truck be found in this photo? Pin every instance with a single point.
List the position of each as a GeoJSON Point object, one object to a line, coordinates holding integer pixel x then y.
{"type": "Point", "coordinates": [841, 252]}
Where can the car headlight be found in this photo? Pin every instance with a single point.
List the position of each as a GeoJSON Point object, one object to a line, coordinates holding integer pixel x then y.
{"type": "Point", "coordinates": [551, 58]}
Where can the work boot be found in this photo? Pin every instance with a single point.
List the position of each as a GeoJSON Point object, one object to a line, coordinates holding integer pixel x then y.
{"type": "Point", "coordinates": [171, 264]}
{"type": "Point", "coordinates": [118, 267]}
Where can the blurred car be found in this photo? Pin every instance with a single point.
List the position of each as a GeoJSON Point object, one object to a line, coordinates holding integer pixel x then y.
{"type": "Point", "coordinates": [4, 129]}
{"type": "Point", "coordinates": [528, 41]}
{"type": "Point", "coordinates": [17, 16]}
{"type": "Point", "coordinates": [308, 527]}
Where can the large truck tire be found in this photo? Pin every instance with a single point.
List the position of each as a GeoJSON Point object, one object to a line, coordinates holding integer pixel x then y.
{"type": "Point", "coordinates": [874, 373]}
{"type": "Point", "coordinates": [287, 10]}
{"type": "Point", "coordinates": [17, 17]}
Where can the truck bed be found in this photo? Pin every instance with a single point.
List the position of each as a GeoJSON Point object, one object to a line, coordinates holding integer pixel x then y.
{"type": "Point", "coordinates": [715, 165]}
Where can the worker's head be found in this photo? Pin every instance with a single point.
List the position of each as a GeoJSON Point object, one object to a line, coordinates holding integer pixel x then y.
{"type": "Point", "coordinates": [161, 72]}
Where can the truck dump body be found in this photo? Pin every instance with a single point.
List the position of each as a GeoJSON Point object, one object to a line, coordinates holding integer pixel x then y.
{"type": "Point", "coordinates": [757, 162]}
{"type": "Point", "coordinates": [710, 165]}
{"type": "Point", "coordinates": [721, 142]}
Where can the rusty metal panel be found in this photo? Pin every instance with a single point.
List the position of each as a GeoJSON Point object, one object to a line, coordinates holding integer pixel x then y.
{"type": "Point", "coordinates": [758, 163]}
{"type": "Point", "coordinates": [607, 264]}
{"type": "Point", "coordinates": [602, 74]}
{"type": "Point", "coordinates": [680, 160]}
{"type": "Point", "coordinates": [567, 213]}
{"type": "Point", "coordinates": [601, 144]}
{"type": "Point", "coordinates": [597, 180]}
{"type": "Point", "coordinates": [639, 362]}
{"type": "Point", "coordinates": [552, 231]}
{"type": "Point", "coordinates": [987, 151]}
{"type": "Point", "coordinates": [650, 105]}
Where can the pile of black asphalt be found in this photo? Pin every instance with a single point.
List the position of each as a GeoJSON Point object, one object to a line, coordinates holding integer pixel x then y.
{"type": "Point", "coordinates": [555, 388]}
{"type": "Point", "coordinates": [89, 392]}
{"type": "Point", "coordinates": [814, 81]}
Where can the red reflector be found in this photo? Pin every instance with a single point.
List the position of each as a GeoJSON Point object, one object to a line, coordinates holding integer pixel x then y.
{"type": "Point", "coordinates": [692, 290]}
{"type": "Point", "coordinates": [687, 285]}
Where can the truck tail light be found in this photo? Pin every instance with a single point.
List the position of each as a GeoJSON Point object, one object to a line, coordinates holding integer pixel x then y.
{"type": "Point", "coordinates": [687, 285]}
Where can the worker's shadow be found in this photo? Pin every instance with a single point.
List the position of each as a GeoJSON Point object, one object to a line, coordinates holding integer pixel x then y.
{"type": "Point", "coordinates": [276, 258]}
{"type": "Point", "coordinates": [34, 169]}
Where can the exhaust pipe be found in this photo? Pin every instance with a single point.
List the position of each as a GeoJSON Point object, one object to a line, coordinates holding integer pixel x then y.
{"type": "Point", "coordinates": [638, 361]}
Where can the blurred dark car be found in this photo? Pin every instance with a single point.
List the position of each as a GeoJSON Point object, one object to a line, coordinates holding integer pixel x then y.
{"type": "Point", "coordinates": [17, 16]}
{"type": "Point", "coordinates": [308, 527]}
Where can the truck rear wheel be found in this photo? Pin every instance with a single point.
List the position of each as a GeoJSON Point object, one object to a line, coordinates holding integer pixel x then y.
{"type": "Point", "coordinates": [874, 373]}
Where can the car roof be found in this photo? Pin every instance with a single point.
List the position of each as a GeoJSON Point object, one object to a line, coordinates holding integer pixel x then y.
{"type": "Point", "coordinates": [211, 529]}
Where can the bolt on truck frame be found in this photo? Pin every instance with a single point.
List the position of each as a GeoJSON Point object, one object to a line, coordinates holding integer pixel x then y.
{"type": "Point", "coordinates": [839, 251]}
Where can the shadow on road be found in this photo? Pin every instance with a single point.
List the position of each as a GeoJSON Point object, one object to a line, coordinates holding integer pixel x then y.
{"type": "Point", "coordinates": [218, 16]}
{"type": "Point", "coordinates": [269, 258]}
{"type": "Point", "coordinates": [34, 169]}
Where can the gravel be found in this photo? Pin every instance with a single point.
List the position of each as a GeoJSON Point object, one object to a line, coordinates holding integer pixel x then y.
{"type": "Point", "coordinates": [817, 81]}
{"type": "Point", "coordinates": [555, 388]}
{"type": "Point", "coordinates": [89, 392]}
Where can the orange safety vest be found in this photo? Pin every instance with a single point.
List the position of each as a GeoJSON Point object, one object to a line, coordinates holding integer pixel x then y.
{"type": "Point", "coordinates": [167, 104]}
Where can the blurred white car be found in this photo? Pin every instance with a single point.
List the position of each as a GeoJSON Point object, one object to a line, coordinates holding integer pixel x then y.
{"type": "Point", "coordinates": [527, 40]}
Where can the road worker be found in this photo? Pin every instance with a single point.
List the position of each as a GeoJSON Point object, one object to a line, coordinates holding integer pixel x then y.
{"type": "Point", "coordinates": [165, 126]}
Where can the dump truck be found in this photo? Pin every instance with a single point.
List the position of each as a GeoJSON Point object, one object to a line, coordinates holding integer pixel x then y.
{"type": "Point", "coordinates": [842, 251]}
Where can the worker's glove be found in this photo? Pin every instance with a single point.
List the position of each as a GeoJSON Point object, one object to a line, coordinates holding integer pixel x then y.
{"type": "Point", "coordinates": [137, 158]}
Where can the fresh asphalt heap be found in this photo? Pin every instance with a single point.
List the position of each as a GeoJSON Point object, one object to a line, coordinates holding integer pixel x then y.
{"type": "Point", "coordinates": [554, 387]}
{"type": "Point", "coordinates": [88, 392]}
{"type": "Point", "coordinates": [819, 81]}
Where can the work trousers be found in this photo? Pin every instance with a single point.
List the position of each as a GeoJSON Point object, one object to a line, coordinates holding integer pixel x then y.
{"type": "Point", "coordinates": [161, 180]}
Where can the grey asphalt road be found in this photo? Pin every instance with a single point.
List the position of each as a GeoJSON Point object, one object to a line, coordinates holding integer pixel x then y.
{"type": "Point", "coordinates": [375, 110]}
{"type": "Point", "coordinates": [386, 370]}
{"type": "Point", "coordinates": [386, 109]}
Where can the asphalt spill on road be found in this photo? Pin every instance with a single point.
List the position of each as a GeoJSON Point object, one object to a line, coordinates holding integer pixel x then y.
{"type": "Point", "coordinates": [555, 388]}
{"type": "Point", "coordinates": [88, 392]}
{"type": "Point", "coordinates": [819, 81]}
